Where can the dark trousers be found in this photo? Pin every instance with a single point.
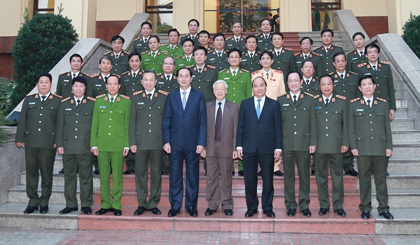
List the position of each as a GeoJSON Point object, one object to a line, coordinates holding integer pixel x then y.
{"type": "Point", "coordinates": [176, 186]}
{"type": "Point", "coordinates": [365, 165]}
{"type": "Point", "coordinates": [165, 162]}
{"type": "Point", "coordinates": [250, 164]}
{"type": "Point", "coordinates": [70, 164]}
{"type": "Point", "coordinates": [348, 160]}
{"type": "Point", "coordinates": [39, 160]}
{"type": "Point", "coordinates": [321, 162]}
{"type": "Point", "coordinates": [219, 190]}
{"type": "Point", "coordinates": [142, 170]}
{"type": "Point", "coordinates": [302, 160]}
{"type": "Point", "coordinates": [130, 160]}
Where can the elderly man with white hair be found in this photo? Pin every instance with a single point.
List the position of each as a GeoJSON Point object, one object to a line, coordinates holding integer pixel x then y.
{"type": "Point", "coordinates": [222, 121]}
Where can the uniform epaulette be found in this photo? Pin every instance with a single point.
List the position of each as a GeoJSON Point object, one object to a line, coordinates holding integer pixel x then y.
{"type": "Point", "coordinates": [163, 92]}
{"type": "Point", "coordinates": [125, 73]}
{"type": "Point", "coordinates": [361, 65]}
{"type": "Point", "coordinates": [341, 97]}
{"type": "Point", "coordinates": [138, 92]}
{"type": "Point", "coordinates": [159, 74]}
{"type": "Point", "coordinates": [137, 38]}
{"type": "Point", "coordinates": [315, 53]}
{"type": "Point", "coordinates": [125, 97]}
{"type": "Point", "coordinates": [315, 97]}
{"type": "Point", "coordinates": [298, 54]}
{"type": "Point", "coordinates": [354, 100]}
{"type": "Point", "coordinates": [116, 75]}
{"type": "Point", "coordinates": [352, 72]}
{"type": "Point", "coordinates": [164, 52]}
{"type": "Point", "coordinates": [287, 49]}
{"type": "Point", "coordinates": [184, 35]}
{"type": "Point", "coordinates": [211, 67]}
{"type": "Point", "coordinates": [65, 99]}
{"type": "Point", "coordinates": [189, 66]}
{"type": "Point", "coordinates": [178, 57]}
{"type": "Point", "coordinates": [31, 94]}
{"type": "Point", "coordinates": [63, 73]}
{"type": "Point", "coordinates": [331, 73]}
{"type": "Point", "coordinates": [244, 70]}
{"type": "Point", "coordinates": [222, 70]}
{"type": "Point", "coordinates": [144, 52]}
{"type": "Point", "coordinates": [90, 98]}
{"type": "Point", "coordinates": [126, 52]}
{"type": "Point", "coordinates": [283, 94]}
{"type": "Point", "coordinates": [255, 72]}
{"type": "Point", "coordinates": [337, 46]}
{"type": "Point", "coordinates": [380, 99]}
{"type": "Point", "coordinates": [318, 47]}
{"type": "Point", "coordinates": [94, 75]}
{"type": "Point", "coordinates": [100, 96]}
{"type": "Point", "coordinates": [107, 52]}
{"type": "Point", "coordinates": [385, 62]}
{"type": "Point", "coordinates": [85, 74]}
{"type": "Point", "coordinates": [278, 71]}
{"type": "Point", "coordinates": [58, 96]}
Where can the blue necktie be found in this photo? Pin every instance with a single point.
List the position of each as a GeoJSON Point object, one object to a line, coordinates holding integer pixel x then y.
{"type": "Point", "coordinates": [184, 100]}
{"type": "Point", "coordinates": [258, 108]}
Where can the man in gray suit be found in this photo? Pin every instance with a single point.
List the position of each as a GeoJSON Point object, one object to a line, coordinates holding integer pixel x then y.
{"type": "Point", "coordinates": [222, 121]}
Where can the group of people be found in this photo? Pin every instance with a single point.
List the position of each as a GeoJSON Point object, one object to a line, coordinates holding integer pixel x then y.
{"type": "Point", "coordinates": [246, 98]}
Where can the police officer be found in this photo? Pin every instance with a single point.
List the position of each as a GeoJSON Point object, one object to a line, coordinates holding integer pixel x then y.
{"type": "Point", "coordinates": [203, 75]}
{"type": "Point", "coordinates": [264, 38]}
{"type": "Point", "coordinates": [307, 54]}
{"type": "Point", "coordinates": [327, 51]}
{"type": "Point", "coordinates": [357, 56]}
{"type": "Point", "coordinates": [251, 57]}
{"type": "Point", "coordinates": [185, 60]}
{"type": "Point", "coordinates": [97, 85]}
{"type": "Point", "coordinates": [331, 112]}
{"type": "Point", "coordinates": [173, 48]}
{"type": "Point", "coordinates": [73, 142]}
{"type": "Point", "coordinates": [299, 125]}
{"type": "Point", "coordinates": [64, 83]}
{"type": "Point", "coordinates": [218, 57]}
{"type": "Point", "coordinates": [153, 58]}
{"type": "Point", "coordinates": [141, 44]}
{"type": "Point", "coordinates": [310, 82]}
{"type": "Point", "coordinates": [237, 40]}
{"type": "Point", "coordinates": [118, 56]}
{"type": "Point", "coordinates": [193, 26]}
{"type": "Point", "coordinates": [204, 38]}
{"type": "Point", "coordinates": [145, 136]}
{"type": "Point", "coordinates": [35, 132]}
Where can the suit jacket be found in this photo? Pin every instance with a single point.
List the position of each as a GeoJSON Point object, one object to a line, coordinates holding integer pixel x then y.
{"type": "Point", "coordinates": [130, 84]}
{"type": "Point", "coordinates": [369, 128]}
{"type": "Point", "coordinates": [64, 87]}
{"type": "Point", "coordinates": [37, 122]}
{"type": "Point", "coordinates": [146, 115]}
{"type": "Point", "coordinates": [229, 127]}
{"type": "Point", "coordinates": [184, 130]}
{"type": "Point", "coordinates": [74, 125]}
{"type": "Point", "coordinates": [275, 82]}
{"type": "Point", "coordinates": [110, 123]}
{"type": "Point", "coordinates": [120, 64]}
{"type": "Point", "coordinates": [264, 134]}
{"type": "Point", "coordinates": [327, 58]}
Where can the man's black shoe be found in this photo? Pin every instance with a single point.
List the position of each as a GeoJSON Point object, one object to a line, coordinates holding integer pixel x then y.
{"type": "Point", "coordinates": [323, 211]}
{"type": "Point", "coordinates": [365, 215]}
{"type": "Point", "coordinates": [313, 172]}
{"type": "Point", "coordinates": [140, 210]}
{"type": "Point", "coordinates": [386, 215]}
{"type": "Point", "coordinates": [96, 172]}
{"type": "Point", "coordinates": [233, 173]}
{"type": "Point", "coordinates": [43, 209]}
{"type": "Point", "coordinates": [129, 171]}
{"type": "Point", "coordinates": [278, 173]}
{"type": "Point", "coordinates": [117, 212]}
{"type": "Point", "coordinates": [291, 212]}
{"type": "Point", "coordinates": [67, 210]}
{"type": "Point", "coordinates": [250, 213]}
{"type": "Point", "coordinates": [30, 209]}
{"type": "Point", "coordinates": [103, 211]}
{"type": "Point", "coordinates": [209, 211]}
{"type": "Point", "coordinates": [228, 212]}
{"type": "Point", "coordinates": [352, 172]}
{"type": "Point", "coordinates": [86, 210]}
{"type": "Point", "coordinates": [270, 213]}
{"type": "Point", "coordinates": [173, 212]}
{"type": "Point", "coordinates": [61, 171]}
{"type": "Point", "coordinates": [306, 212]}
{"type": "Point", "coordinates": [164, 173]}
{"type": "Point", "coordinates": [192, 211]}
{"type": "Point", "coordinates": [155, 211]}
{"type": "Point", "coordinates": [340, 212]}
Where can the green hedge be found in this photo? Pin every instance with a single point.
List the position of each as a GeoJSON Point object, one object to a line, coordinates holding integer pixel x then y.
{"type": "Point", "coordinates": [411, 33]}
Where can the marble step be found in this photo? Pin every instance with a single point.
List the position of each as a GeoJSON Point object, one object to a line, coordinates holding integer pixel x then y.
{"type": "Point", "coordinates": [403, 180]}
{"type": "Point", "coordinates": [400, 198]}
{"type": "Point", "coordinates": [402, 123]}
{"type": "Point", "coordinates": [406, 149]}
{"type": "Point", "coordinates": [406, 221]}
{"type": "Point", "coordinates": [408, 164]}
{"type": "Point", "coordinates": [405, 135]}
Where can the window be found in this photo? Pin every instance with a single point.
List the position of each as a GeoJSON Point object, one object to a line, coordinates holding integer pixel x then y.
{"type": "Point", "coordinates": [43, 7]}
{"type": "Point", "coordinates": [322, 13]}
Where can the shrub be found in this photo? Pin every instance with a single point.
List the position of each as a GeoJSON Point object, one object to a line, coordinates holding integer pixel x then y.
{"type": "Point", "coordinates": [411, 33]}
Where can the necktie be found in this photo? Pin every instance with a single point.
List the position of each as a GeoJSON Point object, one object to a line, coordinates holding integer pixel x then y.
{"type": "Point", "coordinates": [188, 59]}
{"type": "Point", "coordinates": [218, 126]}
{"type": "Point", "coordinates": [307, 82]}
{"type": "Point", "coordinates": [267, 74]}
{"type": "Point", "coordinates": [192, 37]}
{"type": "Point", "coordinates": [237, 40]}
{"type": "Point", "coordinates": [294, 99]}
{"type": "Point", "coordinates": [368, 103]}
{"type": "Point", "coordinates": [374, 68]}
{"type": "Point", "coordinates": [304, 57]}
{"type": "Point", "coordinates": [278, 53]}
{"type": "Point", "coordinates": [199, 70]}
{"type": "Point", "coordinates": [251, 55]}
{"type": "Point", "coordinates": [105, 79]}
{"type": "Point", "coordinates": [153, 54]}
{"type": "Point", "coordinates": [149, 96]}
{"type": "Point", "coordinates": [326, 50]}
{"type": "Point", "coordinates": [74, 75]}
{"type": "Point", "coordinates": [184, 100]}
{"type": "Point", "coordinates": [145, 40]}
{"type": "Point", "coordinates": [327, 101]}
{"type": "Point", "coordinates": [258, 108]}
{"type": "Point", "coordinates": [134, 75]}
{"type": "Point", "coordinates": [342, 76]}
{"type": "Point", "coordinates": [234, 73]}
{"type": "Point", "coordinates": [78, 103]}
{"type": "Point", "coordinates": [112, 100]}
{"type": "Point", "coordinates": [117, 56]}
{"type": "Point", "coordinates": [219, 54]}
{"type": "Point", "coordinates": [168, 78]}
{"type": "Point", "coordinates": [172, 47]}
{"type": "Point", "coordinates": [361, 53]}
{"type": "Point", "coordinates": [43, 98]}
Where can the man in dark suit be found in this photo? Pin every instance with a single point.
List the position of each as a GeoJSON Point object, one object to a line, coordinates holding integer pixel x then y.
{"type": "Point", "coordinates": [184, 137]}
{"type": "Point", "coordinates": [259, 140]}
{"type": "Point", "coordinates": [222, 121]}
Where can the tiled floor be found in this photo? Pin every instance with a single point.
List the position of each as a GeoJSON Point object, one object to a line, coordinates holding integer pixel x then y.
{"type": "Point", "coordinates": [47, 237]}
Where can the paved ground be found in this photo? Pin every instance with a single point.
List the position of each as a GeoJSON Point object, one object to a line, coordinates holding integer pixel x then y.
{"type": "Point", "coordinates": [47, 237]}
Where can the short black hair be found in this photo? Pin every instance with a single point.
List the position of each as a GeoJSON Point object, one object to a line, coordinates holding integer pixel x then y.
{"type": "Point", "coordinates": [113, 75]}
{"type": "Point", "coordinates": [234, 50]}
{"type": "Point", "coordinates": [372, 45]}
{"type": "Point", "coordinates": [204, 32]}
{"type": "Point", "coordinates": [251, 36]}
{"type": "Point", "coordinates": [173, 30]}
{"type": "Point", "coordinates": [186, 68]}
{"type": "Point", "coordinates": [106, 57]}
{"type": "Point", "coordinates": [76, 55]}
{"type": "Point", "coordinates": [44, 74]}
{"type": "Point", "coordinates": [200, 48]}
{"type": "Point", "coordinates": [366, 77]}
{"type": "Point", "coordinates": [327, 30]}
{"type": "Point", "coordinates": [218, 35]}
{"type": "Point", "coordinates": [266, 52]}
{"type": "Point", "coordinates": [307, 61]}
{"type": "Point", "coordinates": [339, 53]}
{"type": "Point", "coordinates": [236, 22]}
{"type": "Point", "coordinates": [146, 23]}
{"type": "Point", "coordinates": [150, 71]}
{"type": "Point", "coordinates": [134, 54]}
{"type": "Point", "coordinates": [155, 36]}
{"type": "Point", "coordinates": [265, 19]}
{"type": "Point", "coordinates": [79, 79]}
{"type": "Point", "coordinates": [276, 33]}
{"type": "Point", "coordinates": [116, 37]}
{"type": "Point", "coordinates": [292, 72]}
{"type": "Point", "coordinates": [198, 23]}
{"type": "Point", "coordinates": [304, 38]}
{"type": "Point", "coordinates": [323, 76]}
{"type": "Point", "coordinates": [187, 40]}
{"type": "Point", "coordinates": [252, 83]}
{"type": "Point", "coordinates": [358, 34]}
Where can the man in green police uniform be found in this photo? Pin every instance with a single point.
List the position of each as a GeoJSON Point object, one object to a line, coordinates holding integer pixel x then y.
{"type": "Point", "coordinates": [251, 57]}
{"type": "Point", "coordinates": [307, 54]}
{"type": "Point", "coordinates": [185, 60]}
{"type": "Point", "coordinates": [36, 131]}
{"type": "Point", "coordinates": [283, 59]}
{"type": "Point", "coordinates": [203, 75]}
{"type": "Point", "coordinates": [73, 142]}
{"type": "Point", "coordinates": [145, 136]}
{"type": "Point", "coordinates": [357, 56]}
{"type": "Point", "coordinates": [327, 51]}
{"type": "Point", "coordinates": [109, 142]}
{"type": "Point", "coordinates": [173, 48]}
{"type": "Point", "coordinates": [118, 56]}
{"type": "Point", "coordinates": [153, 58]}
{"type": "Point", "coordinates": [141, 44]}
{"type": "Point", "coordinates": [371, 142]}
{"type": "Point", "coordinates": [264, 38]}
{"type": "Point", "coordinates": [239, 82]}
{"type": "Point", "coordinates": [332, 118]}
{"type": "Point", "coordinates": [299, 126]}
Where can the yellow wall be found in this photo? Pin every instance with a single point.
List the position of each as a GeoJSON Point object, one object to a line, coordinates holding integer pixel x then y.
{"type": "Point", "coordinates": [12, 16]}
{"type": "Point", "coordinates": [109, 10]}
{"type": "Point", "coordinates": [82, 14]}
{"type": "Point", "coordinates": [399, 13]}
{"type": "Point", "coordinates": [366, 7]}
{"type": "Point", "coordinates": [184, 10]}
{"type": "Point", "coordinates": [290, 21]}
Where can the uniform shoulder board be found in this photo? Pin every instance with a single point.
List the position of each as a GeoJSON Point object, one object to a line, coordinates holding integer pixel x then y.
{"type": "Point", "coordinates": [223, 70]}
{"type": "Point", "coordinates": [244, 70]}
{"type": "Point", "coordinates": [126, 52]}
{"type": "Point", "coordinates": [163, 92]}
{"type": "Point", "coordinates": [315, 53]}
{"type": "Point", "coordinates": [298, 54]}
{"type": "Point", "coordinates": [94, 75]}
{"type": "Point", "coordinates": [341, 97]}
{"type": "Point", "coordinates": [90, 98]}
{"type": "Point", "coordinates": [315, 97]}
{"type": "Point", "coordinates": [318, 48]}
{"type": "Point", "coordinates": [278, 71]}
{"type": "Point", "coordinates": [361, 65]}
{"type": "Point", "coordinates": [116, 75]}
{"type": "Point", "coordinates": [337, 46]}
{"type": "Point", "coordinates": [191, 66]}
{"type": "Point", "coordinates": [255, 72]}
{"type": "Point", "coordinates": [65, 99]}
{"type": "Point", "coordinates": [211, 67]}
{"type": "Point", "coordinates": [100, 96]}
{"type": "Point", "coordinates": [124, 73]}
{"type": "Point", "coordinates": [331, 73]}
{"type": "Point", "coordinates": [184, 35]}
{"type": "Point", "coordinates": [144, 52]}
{"type": "Point", "coordinates": [283, 94]}
{"type": "Point", "coordinates": [287, 49]}
{"type": "Point", "coordinates": [354, 100]}
{"type": "Point", "coordinates": [308, 94]}
{"type": "Point", "coordinates": [380, 99]}
{"type": "Point", "coordinates": [125, 97]}
{"type": "Point", "coordinates": [352, 52]}
{"type": "Point", "coordinates": [164, 52]}
{"type": "Point", "coordinates": [85, 74]}
{"type": "Point", "coordinates": [107, 52]}
{"type": "Point", "coordinates": [58, 96]}
{"type": "Point", "coordinates": [385, 62]}
{"type": "Point", "coordinates": [178, 57]}
{"type": "Point", "coordinates": [137, 39]}
{"type": "Point", "coordinates": [63, 73]}
{"type": "Point", "coordinates": [31, 94]}
{"type": "Point", "coordinates": [352, 72]}
{"type": "Point", "coordinates": [138, 92]}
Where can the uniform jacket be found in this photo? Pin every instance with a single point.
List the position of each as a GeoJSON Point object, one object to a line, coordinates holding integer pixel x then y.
{"type": "Point", "coordinates": [354, 59]}
{"type": "Point", "coordinates": [348, 86]}
{"type": "Point", "coordinates": [240, 86]}
{"type": "Point", "coordinates": [312, 88]}
{"type": "Point", "coordinates": [163, 84]}
{"type": "Point", "coordinates": [220, 63]}
{"type": "Point", "coordinates": [314, 57]}
{"type": "Point", "coordinates": [64, 87]}
{"type": "Point", "coordinates": [130, 84]}
{"type": "Point", "coordinates": [327, 58]}
{"type": "Point", "coordinates": [153, 63]}
{"type": "Point", "coordinates": [231, 43]}
{"type": "Point", "coordinates": [203, 81]}
{"type": "Point", "coordinates": [275, 82]}
{"type": "Point", "coordinates": [182, 62]}
{"type": "Point", "coordinates": [175, 52]}
{"type": "Point", "coordinates": [264, 43]}
{"type": "Point", "coordinates": [139, 46]}
{"type": "Point", "coordinates": [284, 62]}
{"type": "Point", "coordinates": [120, 64]}
{"type": "Point", "coordinates": [251, 64]}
